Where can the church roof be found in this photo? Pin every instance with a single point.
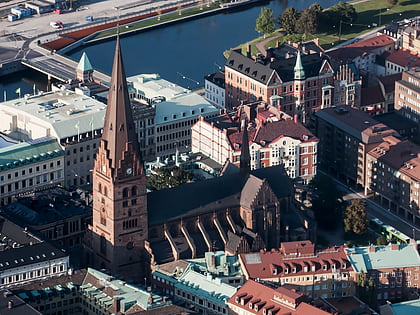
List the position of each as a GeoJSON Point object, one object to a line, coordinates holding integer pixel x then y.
{"type": "Point", "coordinates": [213, 194]}
{"type": "Point", "coordinates": [84, 64]}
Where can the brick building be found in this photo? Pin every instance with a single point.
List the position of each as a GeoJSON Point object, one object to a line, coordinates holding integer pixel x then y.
{"type": "Point", "coordinates": [345, 136]}
{"type": "Point", "coordinates": [407, 94]}
{"type": "Point", "coordinates": [394, 268]}
{"type": "Point", "coordinates": [272, 141]}
{"type": "Point", "coordinates": [393, 175]}
{"type": "Point", "coordinates": [298, 81]}
{"type": "Point", "coordinates": [326, 273]}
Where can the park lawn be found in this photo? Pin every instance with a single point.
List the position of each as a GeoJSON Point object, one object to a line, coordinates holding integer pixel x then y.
{"type": "Point", "coordinates": [369, 12]}
{"type": "Point", "coordinates": [155, 20]}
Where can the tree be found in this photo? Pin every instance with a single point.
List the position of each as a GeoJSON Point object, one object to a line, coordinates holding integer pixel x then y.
{"type": "Point", "coordinates": [265, 23]}
{"type": "Point", "coordinates": [355, 217]}
{"type": "Point", "coordinates": [326, 203]}
{"type": "Point", "coordinates": [288, 20]}
{"type": "Point", "coordinates": [306, 24]}
{"type": "Point", "coordinates": [168, 177]}
{"type": "Point", "coordinates": [342, 11]}
{"type": "Point", "coordinates": [381, 240]}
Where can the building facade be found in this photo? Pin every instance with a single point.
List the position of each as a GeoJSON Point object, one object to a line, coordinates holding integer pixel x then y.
{"type": "Point", "coordinates": [29, 167]}
{"type": "Point", "coordinates": [299, 83]}
{"type": "Point", "coordinates": [176, 109]}
{"type": "Point", "coordinates": [345, 136]}
{"type": "Point", "coordinates": [214, 85]}
{"type": "Point", "coordinates": [393, 177]}
{"type": "Point", "coordinates": [273, 141]}
{"type": "Point", "coordinates": [407, 94]}
{"type": "Point", "coordinates": [394, 268]}
{"type": "Point", "coordinates": [325, 274]}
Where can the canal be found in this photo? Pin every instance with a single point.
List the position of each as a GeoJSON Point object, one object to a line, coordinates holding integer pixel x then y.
{"type": "Point", "coordinates": [183, 53]}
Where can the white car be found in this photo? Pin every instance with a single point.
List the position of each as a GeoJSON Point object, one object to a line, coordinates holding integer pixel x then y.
{"type": "Point", "coordinates": [57, 24]}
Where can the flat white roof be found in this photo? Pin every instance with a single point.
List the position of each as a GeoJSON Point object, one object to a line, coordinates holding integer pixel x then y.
{"type": "Point", "coordinates": [179, 103]}
{"type": "Point", "coordinates": [64, 113]}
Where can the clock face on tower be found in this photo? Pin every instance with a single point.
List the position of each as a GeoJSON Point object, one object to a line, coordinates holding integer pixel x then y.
{"type": "Point", "coordinates": [129, 171]}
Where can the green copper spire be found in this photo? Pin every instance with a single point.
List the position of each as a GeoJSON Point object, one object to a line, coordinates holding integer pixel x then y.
{"type": "Point", "coordinates": [84, 64]}
{"type": "Point", "coordinates": [299, 72]}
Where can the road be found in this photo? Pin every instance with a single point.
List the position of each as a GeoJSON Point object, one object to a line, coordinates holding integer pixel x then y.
{"type": "Point", "coordinates": [374, 210]}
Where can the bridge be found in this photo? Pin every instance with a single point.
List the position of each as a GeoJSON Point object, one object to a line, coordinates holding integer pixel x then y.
{"type": "Point", "coordinates": [60, 67]}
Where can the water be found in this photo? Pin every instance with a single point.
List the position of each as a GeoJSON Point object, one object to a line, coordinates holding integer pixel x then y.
{"type": "Point", "coordinates": [183, 53]}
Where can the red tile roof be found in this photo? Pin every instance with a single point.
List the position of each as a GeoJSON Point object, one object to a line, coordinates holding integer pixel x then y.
{"type": "Point", "coordinates": [373, 42]}
{"type": "Point", "coordinates": [404, 58]}
{"type": "Point", "coordinates": [265, 134]}
{"type": "Point", "coordinates": [275, 264]}
{"type": "Point", "coordinates": [257, 298]}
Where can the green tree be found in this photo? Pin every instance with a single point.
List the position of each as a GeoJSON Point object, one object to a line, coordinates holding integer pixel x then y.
{"type": "Point", "coordinates": [168, 177]}
{"type": "Point", "coordinates": [355, 217]}
{"type": "Point", "coordinates": [306, 24]}
{"type": "Point", "coordinates": [342, 11]}
{"type": "Point", "coordinates": [381, 240]}
{"type": "Point", "coordinates": [266, 22]}
{"type": "Point", "coordinates": [326, 202]}
{"type": "Point", "coordinates": [288, 20]}
{"type": "Point", "coordinates": [316, 10]}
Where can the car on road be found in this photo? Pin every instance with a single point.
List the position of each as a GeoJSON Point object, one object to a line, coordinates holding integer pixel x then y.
{"type": "Point", "coordinates": [57, 24]}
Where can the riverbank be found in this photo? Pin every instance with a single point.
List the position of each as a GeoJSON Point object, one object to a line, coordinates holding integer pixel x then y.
{"type": "Point", "coordinates": [371, 14]}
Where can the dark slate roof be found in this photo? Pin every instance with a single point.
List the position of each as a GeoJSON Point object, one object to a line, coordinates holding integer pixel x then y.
{"type": "Point", "coordinates": [396, 121]}
{"type": "Point", "coordinates": [262, 69]}
{"type": "Point", "coordinates": [292, 49]}
{"type": "Point", "coordinates": [311, 65]}
{"type": "Point", "coordinates": [27, 255]}
{"type": "Point", "coordinates": [371, 95]}
{"type": "Point", "coordinates": [248, 67]}
{"type": "Point", "coordinates": [217, 78]}
{"type": "Point", "coordinates": [19, 307]}
{"type": "Point", "coordinates": [205, 196]}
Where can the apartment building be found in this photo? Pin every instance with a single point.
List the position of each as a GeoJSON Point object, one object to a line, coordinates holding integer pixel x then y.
{"type": "Point", "coordinates": [407, 94]}
{"type": "Point", "coordinates": [176, 110]}
{"type": "Point", "coordinates": [325, 274]}
{"type": "Point", "coordinates": [273, 140]}
{"type": "Point", "coordinates": [394, 268]}
{"type": "Point", "coordinates": [345, 136]}
{"type": "Point", "coordinates": [401, 60]}
{"type": "Point", "coordinates": [393, 176]}
{"type": "Point", "coordinates": [299, 81]}
{"type": "Point", "coordinates": [411, 35]}
{"type": "Point", "coordinates": [30, 166]}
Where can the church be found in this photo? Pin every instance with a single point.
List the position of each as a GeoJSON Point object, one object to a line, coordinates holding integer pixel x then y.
{"type": "Point", "coordinates": [241, 210]}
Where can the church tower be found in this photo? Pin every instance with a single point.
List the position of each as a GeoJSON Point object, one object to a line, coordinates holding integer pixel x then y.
{"type": "Point", "coordinates": [119, 224]}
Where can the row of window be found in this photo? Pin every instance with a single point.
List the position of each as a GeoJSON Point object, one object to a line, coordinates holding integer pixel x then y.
{"type": "Point", "coordinates": [30, 170]}
{"type": "Point", "coordinates": [37, 180]}
{"type": "Point", "coordinates": [32, 274]}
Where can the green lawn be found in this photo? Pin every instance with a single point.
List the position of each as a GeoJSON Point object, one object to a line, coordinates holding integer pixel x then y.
{"type": "Point", "coordinates": [156, 20]}
{"type": "Point", "coordinates": [369, 12]}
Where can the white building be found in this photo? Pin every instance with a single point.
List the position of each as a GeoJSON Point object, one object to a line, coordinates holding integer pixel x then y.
{"type": "Point", "coordinates": [25, 258]}
{"type": "Point", "coordinates": [177, 109]}
{"type": "Point", "coordinates": [75, 120]}
{"type": "Point", "coordinates": [215, 89]}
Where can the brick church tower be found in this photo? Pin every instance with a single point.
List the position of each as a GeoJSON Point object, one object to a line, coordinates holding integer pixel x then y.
{"type": "Point", "coordinates": [120, 224]}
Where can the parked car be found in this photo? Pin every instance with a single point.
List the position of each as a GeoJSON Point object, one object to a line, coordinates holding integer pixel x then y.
{"type": "Point", "coordinates": [57, 24]}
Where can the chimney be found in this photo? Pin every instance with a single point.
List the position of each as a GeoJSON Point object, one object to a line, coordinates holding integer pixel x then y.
{"type": "Point", "coordinates": [10, 304]}
{"type": "Point", "coordinates": [248, 50]}
{"type": "Point", "coordinates": [296, 118]}
{"type": "Point", "coordinates": [395, 247]}
{"type": "Point", "coordinates": [372, 249]}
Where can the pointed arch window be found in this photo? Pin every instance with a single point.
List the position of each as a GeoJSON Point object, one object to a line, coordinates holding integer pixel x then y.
{"type": "Point", "coordinates": [125, 192]}
{"type": "Point", "coordinates": [103, 217]}
{"type": "Point", "coordinates": [134, 191]}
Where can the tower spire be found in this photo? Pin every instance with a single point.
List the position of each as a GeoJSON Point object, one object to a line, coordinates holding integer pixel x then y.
{"type": "Point", "coordinates": [299, 71]}
{"type": "Point", "coordinates": [119, 126]}
{"type": "Point", "coordinates": [245, 159]}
